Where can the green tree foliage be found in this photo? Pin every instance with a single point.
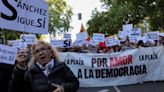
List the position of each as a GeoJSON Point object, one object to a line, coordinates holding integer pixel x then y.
{"type": "Point", "coordinates": [59, 16]}
{"type": "Point", "coordinates": [119, 12]}
{"type": "Point", "coordinates": [10, 34]}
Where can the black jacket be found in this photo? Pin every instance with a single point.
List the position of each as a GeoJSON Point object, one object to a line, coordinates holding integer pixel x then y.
{"type": "Point", "coordinates": [34, 80]}
{"type": "Point", "coordinates": [5, 75]}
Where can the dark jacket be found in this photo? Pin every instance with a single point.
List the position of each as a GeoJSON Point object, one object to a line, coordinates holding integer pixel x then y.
{"type": "Point", "coordinates": [34, 80]}
{"type": "Point", "coordinates": [5, 75]}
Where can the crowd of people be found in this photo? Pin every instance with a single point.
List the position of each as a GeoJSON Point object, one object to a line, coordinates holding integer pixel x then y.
{"type": "Point", "coordinates": [122, 46]}
{"type": "Point", "coordinates": [38, 68]}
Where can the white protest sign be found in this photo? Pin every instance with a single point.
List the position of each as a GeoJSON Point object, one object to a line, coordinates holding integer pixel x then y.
{"type": "Point", "coordinates": [94, 43]}
{"type": "Point", "coordinates": [161, 34]}
{"type": "Point", "coordinates": [153, 35]}
{"type": "Point", "coordinates": [28, 38]}
{"type": "Point", "coordinates": [57, 43]}
{"type": "Point", "coordinates": [67, 36]}
{"type": "Point", "coordinates": [24, 15]}
{"type": "Point", "coordinates": [111, 41]}
{"type": "Point", "coordinates": [78, 43]}
{"type": "Point", "coordinates": [7, 54]}
{"type": "Point", "coordinates": [134, 34]}
{"type": "Point", "coordinates": [122, 34]}
{"type": "Point", "coordinates": [81, 36]}
{"type": "Point", "coordinates": [98, 37]}
{"type": "Point", "coordinates": [16, 43]}
{"type": "Point", "coordinates": [127, 27]}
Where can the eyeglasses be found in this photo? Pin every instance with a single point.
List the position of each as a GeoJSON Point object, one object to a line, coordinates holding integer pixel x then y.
{"type": "Point", "coordinates": [40, 50]}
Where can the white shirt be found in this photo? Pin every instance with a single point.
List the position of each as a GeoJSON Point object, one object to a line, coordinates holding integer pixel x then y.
{"type": "Point", "coordinates": [47, 68]}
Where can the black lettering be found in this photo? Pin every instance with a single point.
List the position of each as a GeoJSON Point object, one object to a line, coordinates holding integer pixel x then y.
{"type": "Point", "coordinates": [144, 69]}
{"type": "Point", "coordinates": [121, 72]}
{"type": "Point", "coordinates": [148, 57]}
{"type": "Point", "coordinates": [12, 9]}
{"type": "Point", "coordinates": [126, 71]}
{"type": "Point", "coordinates": [19, 4]}
{"type": "Point", "coordinates": [91, 74]}
{"type": "Point", "coordinates": [97, 73]}
{"type": "Point", "coordinates": [65, 43]}
{"type": "Point", "coordinates": [93, 62]}
{"type": "Point", "coordinates": [39, 23]}
{"type": "Point", "coordinates": [31, 8]}
{"type": "Point", "coordinates": [85, 73]}
{"type": "Point", "coordinates": [36, 10]}
{"type": "Point", "coordinates": [99, 62]}
{"type": "Point", "coordinates": [140, 58]}
{"type": "Point", "coordinates": [44, 22]}
{"type": "Point", "coordinates": [109, 72]}
{"type": "Point", "coordinates": [137, 70]}
{"type": "Point", "coordinates": [43, 12]}
{"type": "Point", "coordinates": [131, 70]}
{"type": "Point", "coordinates": [115, 72]}
{"type": "Point", "coordinates": [103, 73]}
{"type": "Point", "coordinates": [79, 74]}
{"type": "Point", "coordinates": [105, 62]}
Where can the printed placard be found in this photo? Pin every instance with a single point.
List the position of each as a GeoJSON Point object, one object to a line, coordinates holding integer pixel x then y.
{"type": "Point", "coordinates": [67, 36]}
{"type": "Point", "coordinates": [7, 54]}
{"type": "Point", "coordinates": [28, 38]}
{"type": "Point", "coordinates": [24, 15]}
{"type": "Point", "coordinates": [98, 37]}
{"type": "Point", "coordinates": [57, 43]}
{"type": "Point", "coordinates": [81, 36]}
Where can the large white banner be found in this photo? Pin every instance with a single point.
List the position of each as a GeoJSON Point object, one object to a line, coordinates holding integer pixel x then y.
{"type": "Point", "coordinates": [122, 68]}
{"type": "Point", "coordinates": [24, 15]}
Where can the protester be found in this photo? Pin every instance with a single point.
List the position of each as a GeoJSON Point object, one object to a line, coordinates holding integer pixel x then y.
{"type": "Point", "coordinates": [140, 43]}
{"type": "Point", "coordinates": [23, 56]}
{"type": "Point", "coordinates": [7, 69]}
{"type": "Point", "coordinates": [84, 49]}
{"type": "Point", "coordinates": [44, 74]}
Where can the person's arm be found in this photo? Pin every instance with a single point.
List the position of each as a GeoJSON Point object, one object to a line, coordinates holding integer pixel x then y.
{"type": "Point", "coordinates": [17, 80]}
{"type": "Point", "coordinates": [20, 81]}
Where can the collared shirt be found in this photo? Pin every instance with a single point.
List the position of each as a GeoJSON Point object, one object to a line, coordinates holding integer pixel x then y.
{"type": "Point", "coordinates": [47, 68]}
